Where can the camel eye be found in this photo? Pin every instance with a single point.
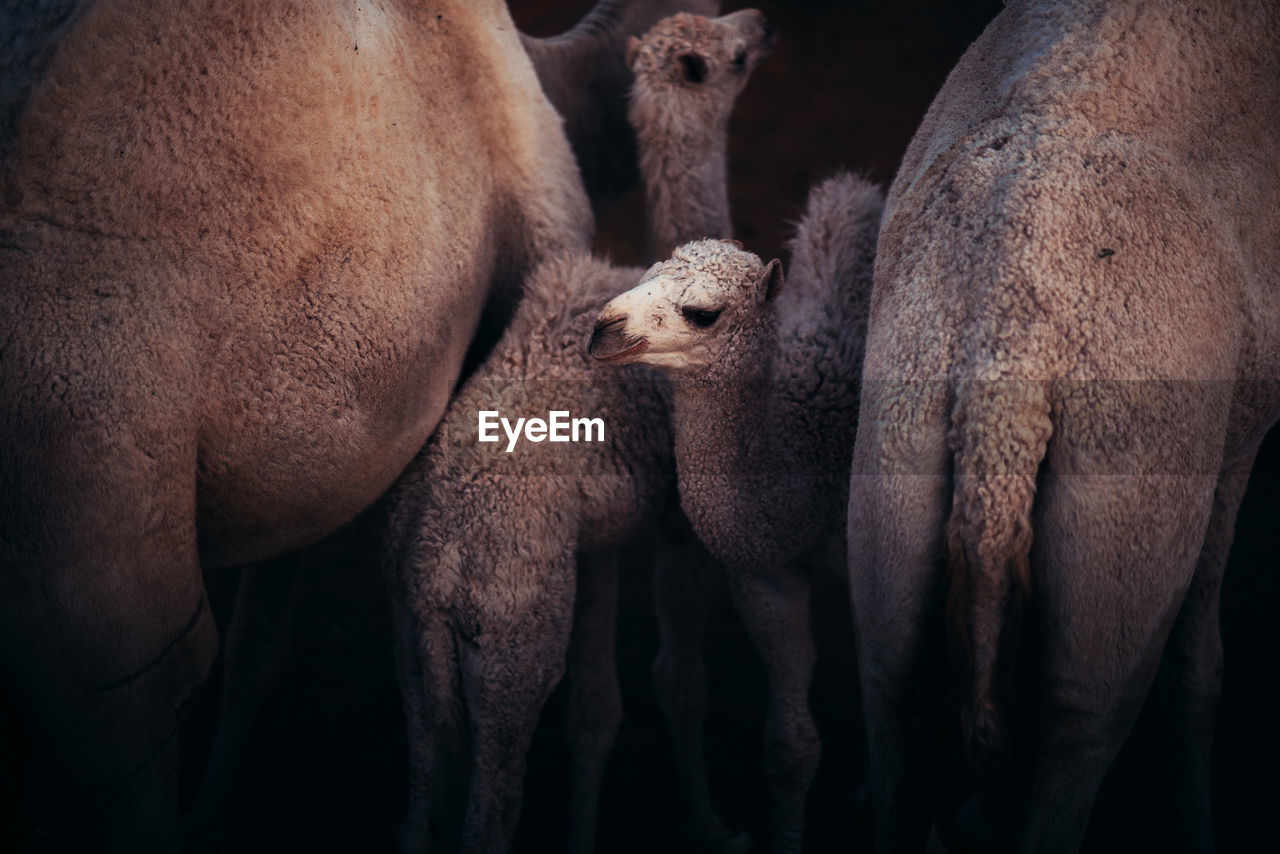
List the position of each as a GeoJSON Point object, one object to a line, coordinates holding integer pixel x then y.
{"type": "Point", "coordinates": [740, 59]}
{"type": "Point", "coordinates": [702, 318]}
{"type": "Point", "coordinates": [693, 67]}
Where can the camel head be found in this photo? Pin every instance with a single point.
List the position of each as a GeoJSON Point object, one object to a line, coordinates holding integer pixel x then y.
{"type": "Point", "coordinates": [696, 309]}
{"type": "Point", "coordinates": [688, 66]}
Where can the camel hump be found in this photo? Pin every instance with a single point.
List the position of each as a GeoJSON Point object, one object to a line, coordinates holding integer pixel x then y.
{"type": "Point", "coordinates": [235, 130]}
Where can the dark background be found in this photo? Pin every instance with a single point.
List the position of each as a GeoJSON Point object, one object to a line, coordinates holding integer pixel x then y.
{"type": "Point", "coordinates": [845, 86]}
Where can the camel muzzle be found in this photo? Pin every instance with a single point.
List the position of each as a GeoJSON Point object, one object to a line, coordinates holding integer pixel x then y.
{"type": "Point", "coordinates": [609, 342]}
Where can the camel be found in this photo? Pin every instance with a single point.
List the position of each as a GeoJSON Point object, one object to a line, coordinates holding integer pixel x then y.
{"type": "Point", "coordinates": [490, 553]}
{"type": "Point", "coordinates": [765, 405]}
{"type": "Point", "coordinates": [501, 557]}
{"type": "Point", "coordinates": [280, 226]}
{"type": "Point", "coordinates": [583, 76]}
{"type": "Point", "coordinates": [1070, 366]}
{"type": "Point", "coordinates": [691, 73]}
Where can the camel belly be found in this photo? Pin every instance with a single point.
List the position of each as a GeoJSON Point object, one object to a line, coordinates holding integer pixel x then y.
{"type": "Point", "coordinates": [312, 416]}
{"type": "Point", "coordinates": [288, 483]}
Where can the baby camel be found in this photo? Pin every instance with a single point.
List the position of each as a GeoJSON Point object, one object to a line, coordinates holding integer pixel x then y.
{"type": "Point", "coordinates": [487, 547]}
{"type": "Point", "coordinates": [688, 72]}
{"type": "Point", "coordinates": [765, 408]}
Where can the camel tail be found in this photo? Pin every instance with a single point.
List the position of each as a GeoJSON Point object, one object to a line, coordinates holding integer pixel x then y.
{"type": "Point", "coordinates": [1000, 433]}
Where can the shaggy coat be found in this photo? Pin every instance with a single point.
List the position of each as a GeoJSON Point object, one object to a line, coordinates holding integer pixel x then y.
{"type": "Point", "coordinates": [483, 548]}
{"type": "Point", "coordinates": [691, 70]}
{"type": "Point", "coordinates": [766, 406]}
{"type": "Point", "coordinates": [585, 79]}
{"type": "Point", "coordinates": [785, 398]}
{"type": "Point", "coordinates": [1070, 365]}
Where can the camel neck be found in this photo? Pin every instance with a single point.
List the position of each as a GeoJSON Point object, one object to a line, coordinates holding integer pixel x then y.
{"type": "Point", "coordinates": [732, 465]}
{"type": "Point", "coordinates": [686, 191]}
{"type": "Point", "coordinates": [755, 497]}
{"type": "Point", "coordinates": [723, 414]}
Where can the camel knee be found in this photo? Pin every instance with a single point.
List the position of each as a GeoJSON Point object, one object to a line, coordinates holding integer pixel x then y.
{"type": "Point", "coordinates": [116, 739]}
{"type": "Point", "coordinates": [180, 665]}
{"type": "Point", "coordinates": [150, 703]}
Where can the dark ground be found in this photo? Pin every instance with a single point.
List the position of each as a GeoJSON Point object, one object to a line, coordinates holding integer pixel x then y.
{"type": "Point", "coordinates": [846, 85]}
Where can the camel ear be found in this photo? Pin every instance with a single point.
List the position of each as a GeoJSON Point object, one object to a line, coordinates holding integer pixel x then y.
{"type": "Point", "coordinates": [693, 66]}
{"type": "Point", "coordinates": [633, 50]}
{"type": "Point", "coordinates": [772, 279]}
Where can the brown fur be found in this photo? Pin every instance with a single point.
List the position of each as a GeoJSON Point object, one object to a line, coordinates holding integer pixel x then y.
{"type": "Point", "coordinates": [1073, 305]}
{"type": "Point", "coordinates": [584, 76]}
{"type": "Point", "coordinates": [482, 558]}
{"type": "Point", "coordinates": [244, 249]}
{"type": "Point", "coordinates": [989, 538]}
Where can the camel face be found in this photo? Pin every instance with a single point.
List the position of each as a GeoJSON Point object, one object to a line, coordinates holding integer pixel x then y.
{"type": "Point", "coordinates": [686, 60]}
{"type": "Point", "coordinates": [688, 311]}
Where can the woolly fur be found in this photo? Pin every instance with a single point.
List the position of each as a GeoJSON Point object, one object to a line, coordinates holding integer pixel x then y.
{"type": "Point", "coordinates": [586, 79]}
{"type": "Point", "coordinates": [483, 544]}
{"type": "Point", "coordinates": [779, 393]}
{"type": "Point", "coordinates": [765, 410]}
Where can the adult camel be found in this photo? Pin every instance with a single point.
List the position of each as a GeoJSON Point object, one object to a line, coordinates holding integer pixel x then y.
{"type": "Point", "coordinates": [1071, 362]}
{"type": "Point", "coordinates": [244, 248]}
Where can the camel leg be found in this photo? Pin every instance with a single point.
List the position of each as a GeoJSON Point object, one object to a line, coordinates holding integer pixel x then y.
{"type": "Point", "coordinates": [775, 611]}
{"type": "Point", "coordinates": [413, 836]}
{"type": "Point", "coordinates": [254, 652]}
{"type": "Point", "coordinates": [595, 702]}
{"type": "Point", "coordinates": [511, 656]}
{"type": "Point", "coordinates": [424, 654]}
{"type": "Point", "coordinates": [1103, 609]}
{"type": "Point", "coordinates": [683, 588]}
{"type": "Point", "coordinates": [896, 590]}
{"type": "Point", "coordinates": [424, 646]}
{"type": "Point", "coordinates": [1190, 677]}
{"type": "Point", "coordinates": [105, 634]}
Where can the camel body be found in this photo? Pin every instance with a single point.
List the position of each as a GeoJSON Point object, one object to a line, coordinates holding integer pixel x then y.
{"type": "Point", "coordinates": [764, 390]}
{"type": "Point", "coordinates": [245, 247]}
{"type": "Point", "coordinates": [1071, 362]}
{"type": "Point", "coordinates": [294, 214]}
